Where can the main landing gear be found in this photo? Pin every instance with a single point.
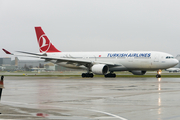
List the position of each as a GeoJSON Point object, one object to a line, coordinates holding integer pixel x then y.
{"type": "Point", "coordinates": [158, 74]}
{"type": "Point", "coordinates": [87, 75]}
{"type": "Point", "coordinates": [110, 75]}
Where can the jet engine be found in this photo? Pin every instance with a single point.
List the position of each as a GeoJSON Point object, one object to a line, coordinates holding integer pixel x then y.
{"type": "Point", "coordinates": [100, 69]}
{"type": "Point", "coordinates": [138, 72]}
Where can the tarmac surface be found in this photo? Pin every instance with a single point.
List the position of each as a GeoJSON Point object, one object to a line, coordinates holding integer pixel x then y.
{"type": "Point", "coordinates": [75, 98]}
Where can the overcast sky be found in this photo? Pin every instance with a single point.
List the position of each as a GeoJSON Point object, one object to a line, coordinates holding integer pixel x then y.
{"type": "Point", "coordinates": [91, 25]}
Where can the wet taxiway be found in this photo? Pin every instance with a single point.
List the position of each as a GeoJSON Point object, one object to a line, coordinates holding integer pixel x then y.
{"type": "Point", "coordinates": [90, 99]}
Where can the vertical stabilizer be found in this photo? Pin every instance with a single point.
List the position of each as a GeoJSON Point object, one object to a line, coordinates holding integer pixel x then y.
{"type": "Point", "coordinates": [45, 45]}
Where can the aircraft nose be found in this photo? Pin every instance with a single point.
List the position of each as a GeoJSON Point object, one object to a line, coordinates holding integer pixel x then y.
{"type": "Point", "coordinates": [175, 62]}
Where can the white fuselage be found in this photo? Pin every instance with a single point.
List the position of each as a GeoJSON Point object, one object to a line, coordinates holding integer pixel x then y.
{"type": "Point", "coordinates": [123, 61]}
{"type": "Point", "coordinates": [173, 69]}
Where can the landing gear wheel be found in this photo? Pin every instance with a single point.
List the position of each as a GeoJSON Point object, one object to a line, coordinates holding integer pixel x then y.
{"type": "Point", "coordinates": [158, 76]}
{"type": "Point", "coordinates": [83, 75]}
{"type": "Point", "coordinates": [110, 75]}
{"type": "Point", "coordinates": [87, 75]}
{"type": "Point", "coordinates": [91, 75]}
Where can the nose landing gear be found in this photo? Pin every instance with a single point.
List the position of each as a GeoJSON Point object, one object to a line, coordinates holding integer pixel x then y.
{"type": "Point", "coordinates": [158, 74]}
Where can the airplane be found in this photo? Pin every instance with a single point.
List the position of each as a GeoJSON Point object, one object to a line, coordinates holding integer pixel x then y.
{"type": "Point", "coordinates": [173, 69]}
{"type": "Point", "coordinates": [102, 63]}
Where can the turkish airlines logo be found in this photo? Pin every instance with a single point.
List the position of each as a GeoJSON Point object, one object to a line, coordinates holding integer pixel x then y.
{"type": "Point", "coordinates": [44, 43]}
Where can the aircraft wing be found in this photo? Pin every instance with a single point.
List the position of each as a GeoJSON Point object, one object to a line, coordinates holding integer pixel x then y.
{"type": "Point", "coordinates": [69, 60]}
{"type": "Point", "coordinates": [44, 54]}
{"type": "Point", "coordinates": [74, 60]}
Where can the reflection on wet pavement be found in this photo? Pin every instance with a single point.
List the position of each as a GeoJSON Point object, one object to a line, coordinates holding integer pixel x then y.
{"type": "Point", "coordinates": [89, 99]}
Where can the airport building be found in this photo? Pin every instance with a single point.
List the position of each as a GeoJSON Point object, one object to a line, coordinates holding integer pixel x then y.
{"type": "Point", "coordinates": [5, 61]}
{"type": "Point", "coordinates": [6, 64]}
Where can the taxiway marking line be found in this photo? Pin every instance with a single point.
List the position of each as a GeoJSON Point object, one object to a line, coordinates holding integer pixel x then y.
{"type": "Point", "coordinates": [98, 111]}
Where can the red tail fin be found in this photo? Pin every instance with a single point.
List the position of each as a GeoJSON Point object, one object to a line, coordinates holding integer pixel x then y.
{"type": "Point", "coordinates": [45, 44]}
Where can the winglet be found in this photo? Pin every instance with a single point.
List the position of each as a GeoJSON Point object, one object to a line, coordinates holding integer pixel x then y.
{"type": "Point", "coordinates": [7, 52]}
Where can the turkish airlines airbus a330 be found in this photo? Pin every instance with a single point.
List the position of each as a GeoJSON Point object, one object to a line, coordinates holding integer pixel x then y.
{"type": "Point", "coordinates": [102, 63]}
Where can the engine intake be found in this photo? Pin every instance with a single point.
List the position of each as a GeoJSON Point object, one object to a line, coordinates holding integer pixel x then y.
{"type": "Point", "coordinates": [100, 69]}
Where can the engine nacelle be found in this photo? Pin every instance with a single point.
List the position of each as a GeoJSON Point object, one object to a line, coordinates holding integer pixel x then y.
{"type": "Point", "coordinates": [100, 69]}
{"type": "Point", "coordinates": [138, 72]}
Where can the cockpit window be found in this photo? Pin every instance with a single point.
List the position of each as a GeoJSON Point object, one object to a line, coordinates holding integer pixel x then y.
{"type": "Point", "coordinates": [169, 57]}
